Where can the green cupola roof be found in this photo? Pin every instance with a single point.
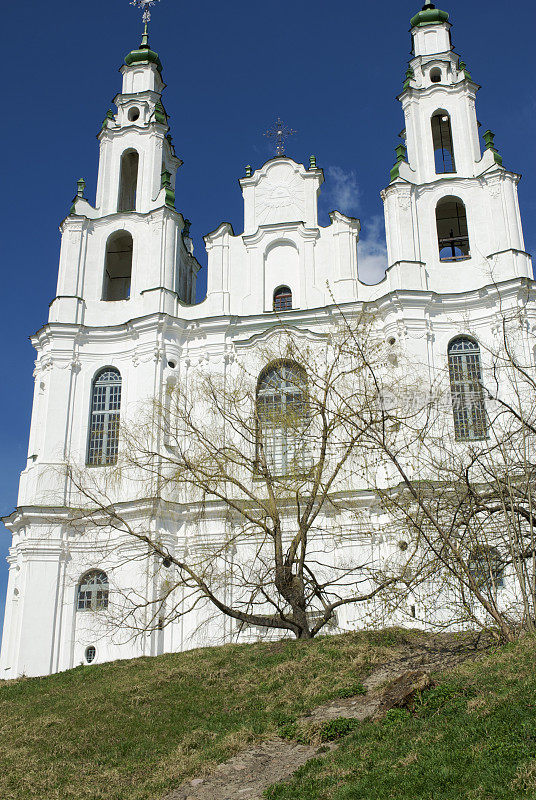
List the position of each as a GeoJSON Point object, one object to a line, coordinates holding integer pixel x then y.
{"type": "Point", "coordinates": [144, 54]}
{"type": "Point", "coordinates": [429, 15]}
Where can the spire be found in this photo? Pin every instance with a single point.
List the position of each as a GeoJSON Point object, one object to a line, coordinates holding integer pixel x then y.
{"type": "Point", "coordinates": [144, 54]}
{"type": "Point", "coordinates": [145, 38]}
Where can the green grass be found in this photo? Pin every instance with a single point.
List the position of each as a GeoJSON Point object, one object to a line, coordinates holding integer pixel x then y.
{"type": "Point", "coordinates": [132, 730]}
{"type": "Point", "coordinates": [471, 737]}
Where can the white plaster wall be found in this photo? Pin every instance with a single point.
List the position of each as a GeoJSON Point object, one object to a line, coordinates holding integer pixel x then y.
{"type": "Point", "coordinates": [421, 304]}
{"type": "Point", "coordinates": [281, 268]}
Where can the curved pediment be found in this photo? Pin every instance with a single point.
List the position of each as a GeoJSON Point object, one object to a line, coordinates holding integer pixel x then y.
{"type": "Point", "coordinates": [280, 191]}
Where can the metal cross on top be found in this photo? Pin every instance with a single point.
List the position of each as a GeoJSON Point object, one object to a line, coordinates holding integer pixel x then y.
{"type": "Point", "coordinates": [279, 133]}
{"type": "Point", "coordinates": [145, 5]}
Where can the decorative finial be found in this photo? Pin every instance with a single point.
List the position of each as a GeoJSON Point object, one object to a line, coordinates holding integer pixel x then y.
{"type": "Point", "coordinates": [428, 4]}
{"type": "Point", "coordinates": [312, 162]}
{"type": "Point", "coordinates": [279, 133]}
{"type": "Point", "coordinates": [166, 184]}
{"type": "Point", "coordinates": [145, 5]}
{"type": "Point", "coordinates": [400, 151]}
{"type": "Point", "coordinates": [249, 173]}
{"type": "Point", "coordinates": [489, 139]}
{"type": "Point", "coordinates": [81, 184]}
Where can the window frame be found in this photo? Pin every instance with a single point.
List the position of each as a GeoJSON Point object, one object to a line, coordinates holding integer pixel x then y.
{"type": "Point", "coordinates": [282, 292]}
{"type": "Point", "coordinates": [106, 454]}
{"type": "Point", "coordinates": [91, 600]}
{"type": "Point", "coordinates": [90, 649]}
{"type": "Point", "coordinates": [282, 443]}
{"type": "Point", "coordinates": [465, 378]}
{"type": "Point", "coordinates": [486, 566]}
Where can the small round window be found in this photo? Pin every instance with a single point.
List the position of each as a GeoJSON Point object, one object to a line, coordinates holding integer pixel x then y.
{"type": "Point", "coordinates": [134, 114]}
{"type": "Point", "coordinates": [91, 652]}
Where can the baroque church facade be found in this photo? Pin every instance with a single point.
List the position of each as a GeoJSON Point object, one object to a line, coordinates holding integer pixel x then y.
{"type": "Point", "coordinates": [124, 323]}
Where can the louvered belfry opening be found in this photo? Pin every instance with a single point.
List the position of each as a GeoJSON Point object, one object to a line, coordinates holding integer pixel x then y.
{"type": "Point", "coordinates": [452, 230]}
{"type": "Point", "coordinates": [128, 181]}
{"type": "Point", "coordinates": [118, 266]}
{"type": "Point", "coordinates": [442, 141]}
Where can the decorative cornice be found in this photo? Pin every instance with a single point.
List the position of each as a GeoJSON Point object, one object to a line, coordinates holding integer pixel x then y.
{"type": "Point", "coordinates": [251, 239]}
{"type": "Point", "coordinates": [262, 172]}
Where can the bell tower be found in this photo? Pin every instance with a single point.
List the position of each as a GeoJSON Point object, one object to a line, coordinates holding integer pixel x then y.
{"type": "Point", "coordinates": [130, 254]}
{"type": "Point", "coordinates": [451, 211]}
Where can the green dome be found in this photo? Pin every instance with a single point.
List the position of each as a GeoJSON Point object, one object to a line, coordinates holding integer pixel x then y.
{"type": "Point", "coordinates": [142, 56]}
{"type": "Point", "coordinates": [429, 16]}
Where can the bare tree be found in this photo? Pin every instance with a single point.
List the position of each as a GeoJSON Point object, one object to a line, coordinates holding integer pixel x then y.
{"type": "Point", "coordinates": [280, 465]}
{"type": "Point", "coordinates": [462, 479]}
{"type": "Point", "coordinates": [265, 460]}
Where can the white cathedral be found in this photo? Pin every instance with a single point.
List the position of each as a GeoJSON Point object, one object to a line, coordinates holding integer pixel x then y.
{"type": "Point", "coordinates": [125, 321]}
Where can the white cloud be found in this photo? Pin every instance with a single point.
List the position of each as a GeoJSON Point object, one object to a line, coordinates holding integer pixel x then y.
{"type": "Point", "coordinates": [372, 251]}
{"type": "Point", "coordinates": [343, 190]}
{"type": "Point", "coordinates": [343, 194]}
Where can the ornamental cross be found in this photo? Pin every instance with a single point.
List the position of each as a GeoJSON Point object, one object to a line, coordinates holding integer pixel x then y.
{"type": "Point", "coordinates": [279, 133]}
{"type": "Point", "coordinates": [145, 5]}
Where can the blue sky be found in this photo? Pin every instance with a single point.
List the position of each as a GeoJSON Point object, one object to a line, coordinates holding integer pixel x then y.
{"type": "Point", "coordinates": [330, 73]}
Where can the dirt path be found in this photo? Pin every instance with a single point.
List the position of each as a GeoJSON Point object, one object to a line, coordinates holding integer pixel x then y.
{"type": "Point", "coordinates": [248, 774]}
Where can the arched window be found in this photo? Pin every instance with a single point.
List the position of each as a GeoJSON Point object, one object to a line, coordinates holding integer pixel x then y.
{"type": "Point", "coordinates": [452, 231]}
{"type": "Point", "coordinates": [281, 419]}
{"type": "Point", "coordinates": [128, 180]}
{"type": "Point", "coordinates": [442, 140]}
{"type": "Point", "coordinates": [435, 76]}
{"type": "Point", "coordinates": [282, 299]}
{"type": "Point", "coordinates": [468, 404]}
{"type": "Point", "coordinates": [487, 567]}
{"type": "Point", "coordinates": [104, 420]}
{"type": "Point", "coordinates": [118, 266]}
{"type": "Point", "coordinates": [93, 591]}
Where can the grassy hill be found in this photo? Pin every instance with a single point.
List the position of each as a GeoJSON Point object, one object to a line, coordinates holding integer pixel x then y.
{"type": "Point", "coordinates": [134, 729]}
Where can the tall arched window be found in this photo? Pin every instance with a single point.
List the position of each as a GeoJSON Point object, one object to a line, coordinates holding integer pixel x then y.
{"type": "Point", "coordinates": [442, 141]}
{"type": "Point", "coordinates": [282, 299]}
{"type": "Point", "coordinates": [118, 266]}
{"type": "Point", "coordinates": [128, 181]}
{"type": "Point", "coordinates": [452, 231]}
{"type": "Point", "coordinates": [104, 420]}
{"type": "Point", "coordinates": [281, 419]}
{"type": "Point", "coordinates": [466, 390]}
{"type": "Point", "coordinates": [93, 590]}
